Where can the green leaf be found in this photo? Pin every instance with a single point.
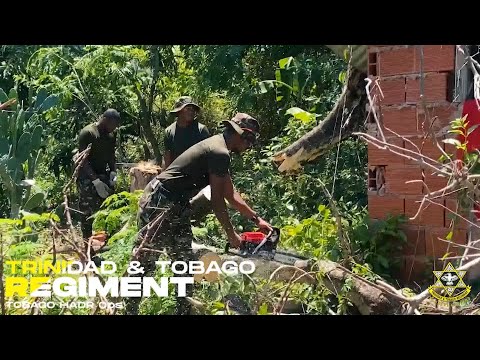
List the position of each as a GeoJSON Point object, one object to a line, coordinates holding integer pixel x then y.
{"type": "Point", "coordinates": [13, 164]}
{"type": "Point", "coordinates": [49, 102]}
{"type": "Point", "coordinates": [4, 146]}
{"type": "Point", "coordinates": [451, 141]}
{"type": "Point", "coordinates": [263, 310]}
{"type": "Point", "coordinates": [4, 174]}
{"type": "Point", "coordinates": [10, 222]}
{"type": "Point", "coordinates": [383, 261]}
{"type": "Point", "coordinates": [289, 207]}
{"type": "Point", "coordinates": [4, 123]}
{"type": "Point", "coordinates": [346, 54]}
{"type": "Point", "coordinates": [13, 94]}
{"type": "Point", "coordinates": [443, 158]}
{"type": "Point", "coordinates": [278, 77]}
{"type": "Point", "coordinates": [33, 119]}
{"type": "Point", "coordinates": [34, 201]}
{"type": "Point", "coordinates": [265, 86]}
{"type": "Point", "coordinates": [30, 217]}
{"type": "Point", "coordinates": [300, 114]}
{"type": "Point", "coordinates": [342, 76]}
{"type": "Point", "coordinates": [218, 305]}
{"type": "Point", "coordinates": [41, 96]}
{"type": "Point", "coordinates": [295, 84]}
{"type": "Point", "coordinates": [23, 147]}
{"type": "Point", "coordinates": [445, 255]}
{"type": "Point", "coordinates": [37, 137]}
{"type": "Point", "coordinates": [285, 62]}
{"type": "Point", "coordinates": [449, 236]}
{"type": "Point", "coordinates": [20, 121]}
{"type": "Point", "coordinates": [3, 96]}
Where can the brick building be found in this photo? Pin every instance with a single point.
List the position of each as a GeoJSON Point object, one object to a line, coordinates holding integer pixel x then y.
{"type": "Point", "coordinates": [446, 85]}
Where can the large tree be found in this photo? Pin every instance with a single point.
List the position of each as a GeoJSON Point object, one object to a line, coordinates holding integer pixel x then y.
{"type": "Point", "coordinates": [347, 116]}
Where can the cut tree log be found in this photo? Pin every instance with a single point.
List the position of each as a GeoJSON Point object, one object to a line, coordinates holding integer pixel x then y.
{"type": "Point", "coordinates": [142, 174]}
{"type": "Point", "coordinates": [367, 298]}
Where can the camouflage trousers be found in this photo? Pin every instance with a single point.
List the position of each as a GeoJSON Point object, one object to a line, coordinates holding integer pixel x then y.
{"type": "Point", "coordinates": [89, 203]}
{"type": "Point", "coordinates": [164, 226]}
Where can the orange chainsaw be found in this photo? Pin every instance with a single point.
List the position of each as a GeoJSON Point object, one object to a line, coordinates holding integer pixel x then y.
{"type": "Point", "coordinates": [258, 244]}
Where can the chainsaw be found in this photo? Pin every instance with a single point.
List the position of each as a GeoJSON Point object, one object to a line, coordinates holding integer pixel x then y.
{"type": "Point", "coordinates": [261, 246]}
{"type": "Point", "coordinates": [256, 244]}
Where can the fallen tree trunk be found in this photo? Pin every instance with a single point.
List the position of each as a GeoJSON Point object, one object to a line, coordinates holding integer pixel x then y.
{"type": "Point", "coordinates": [348, 115]}
{"type": "Point", "coordinates": [365, 296]}
{"type": "Point", "coordinates": [368, 299]}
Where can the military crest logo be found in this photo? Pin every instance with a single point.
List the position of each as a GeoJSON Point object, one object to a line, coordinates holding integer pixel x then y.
{"type": "Point", "coordinates": [449, 285]}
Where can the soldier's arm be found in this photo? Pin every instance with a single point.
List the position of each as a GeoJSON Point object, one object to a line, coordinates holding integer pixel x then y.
{"type": "Point", "coordinates": [218, 168]}
{"type": "Point", "coordinates": [168, 157]}
{"type": "Point", "coordinates": [112, 164]}
{"type": "Point", "coordinates": [234, 198]}
{"type": "Point", "coordinates": [236, 201]}
{"type": "Point", "coordinates": [168, 141]}
{"type": "Point", "coordinates": [217, 185]}
{"type": "Point", "coordinates": [85, 138]}
{"type": "Point", "coordinates": [204, 133]}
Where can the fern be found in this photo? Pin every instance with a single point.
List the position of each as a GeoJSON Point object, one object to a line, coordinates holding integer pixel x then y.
{"type": "Point", "coordinates": [26, 250]}
{"type": "Point", "coordinates": [117, 212]}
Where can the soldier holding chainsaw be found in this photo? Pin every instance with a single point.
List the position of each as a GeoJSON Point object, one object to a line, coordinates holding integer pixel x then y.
{"type": "Point", "coordinates": [164, 216]}
{"type": "Point", "coordinates": [97, 176]}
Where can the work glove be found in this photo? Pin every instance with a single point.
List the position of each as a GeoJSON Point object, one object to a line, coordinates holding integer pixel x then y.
{"type": "Point", "coordinates": [113, 178]}
{"type": "Point", "coordinates": [102, 189]}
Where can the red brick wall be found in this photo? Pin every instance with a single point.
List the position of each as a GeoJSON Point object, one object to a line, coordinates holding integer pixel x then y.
{"type": "Point", "coordinates": [398, 69]}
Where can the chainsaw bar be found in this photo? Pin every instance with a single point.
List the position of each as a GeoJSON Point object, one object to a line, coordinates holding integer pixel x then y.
{"type": "Point", "coordinates": [284, 257]}
{"type": "Point", "coordinates": [261, 246]}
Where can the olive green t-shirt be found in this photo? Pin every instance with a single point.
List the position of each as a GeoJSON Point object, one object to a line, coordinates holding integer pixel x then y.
{"type": "Point", "coordinates": [189, 173]}
{"type": "Point", "coordinates": [102, 152]}
{"type": "Point", "coordinates": [178, 139]}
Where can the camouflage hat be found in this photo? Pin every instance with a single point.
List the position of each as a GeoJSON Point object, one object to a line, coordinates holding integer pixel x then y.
{"type": "Point", "coordinates": [244, 124]}
{"type": "Point", "coordinates": [182, 102]}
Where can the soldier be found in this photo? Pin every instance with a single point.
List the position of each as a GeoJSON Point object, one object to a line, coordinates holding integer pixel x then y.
{"type": "Point", "coordinates": [96, 179]}
{"type": "Point", "coordinates": [185, 131]}
{"type": "Point", "coordinates": [164, 216]}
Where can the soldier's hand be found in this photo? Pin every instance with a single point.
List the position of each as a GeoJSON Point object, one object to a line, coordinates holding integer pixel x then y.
{"type": "Point", "coordinates": [235, 240]}
{"type": "Point", "coordinates": [102, 189]}
{"type": "Point", "coordinates": [113, 178]}
{"type": "Point", "coordinates": [263, 225]}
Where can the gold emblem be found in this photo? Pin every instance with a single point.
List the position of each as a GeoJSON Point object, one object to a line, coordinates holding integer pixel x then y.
{"type": "Point", "coordinates": [449, 284]}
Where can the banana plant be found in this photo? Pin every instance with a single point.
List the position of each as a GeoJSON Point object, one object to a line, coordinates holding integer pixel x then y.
{"type": "Point", "coordinates": [20, 142]}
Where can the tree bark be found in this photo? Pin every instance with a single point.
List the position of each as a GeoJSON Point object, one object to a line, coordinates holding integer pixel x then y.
{"type": "Point", "coordinates": [144, 120]}
{"type": "Point", "coordinates": [347, 116]}
{"type": "Point", "coordinates": [142, 174]}
{"type": "Point", "coordinates": [368, 299]}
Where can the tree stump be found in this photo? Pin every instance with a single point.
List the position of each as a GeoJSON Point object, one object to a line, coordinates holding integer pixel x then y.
{"type": "Point", "coordinates": [142, 174]}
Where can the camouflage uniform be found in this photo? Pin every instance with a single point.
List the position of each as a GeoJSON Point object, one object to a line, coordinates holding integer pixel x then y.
{"type": "Point", "coordinates": [102, 155]}
{"type": "Point", "coordinates": [165, 211]}
{"type": "Point", "coordinates": [89, 202]}
{"type": "Point", "coordinates": [167, 226]}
